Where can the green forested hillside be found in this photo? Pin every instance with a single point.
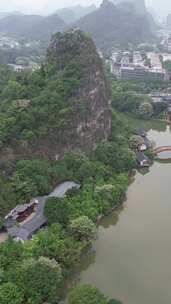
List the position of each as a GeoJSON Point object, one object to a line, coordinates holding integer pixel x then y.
{"type": "Point", "coordinates": [56, 125]}
{"type": "Point", "coordinates": [64, 105]}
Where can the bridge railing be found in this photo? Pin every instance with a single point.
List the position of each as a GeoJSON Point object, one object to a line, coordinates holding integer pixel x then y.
{"type": "Point", "coordinates": [162, 149]}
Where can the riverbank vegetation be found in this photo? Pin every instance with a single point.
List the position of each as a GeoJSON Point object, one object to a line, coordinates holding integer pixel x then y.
{"type": "Point", "coordinates": [131, 97]}
{"type": "Point", "coordinates": [36, 271]}
{"type": "Point", "coordinates": [104, 178]}
{"type": "Point", "coordinates": [86, 294]}
{"type": "Point", "coordinates": [37, 110]}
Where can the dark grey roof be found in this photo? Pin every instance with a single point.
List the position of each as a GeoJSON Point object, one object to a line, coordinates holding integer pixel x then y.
{"type": "Point", "coordinates": [39, 219]}
{"type": "Point", "coordinates": [9, 222]}
{"type": "Point", "coordinates": [21, 208]}
{"type": "Point", "coordinates": [141, 132]}
{"type": "Point", "coordinates": [167, 98]}
{"type": "Point", "coordinates": [26, 231]}
{"type": "Point", "coordinates": [12, 231]}
{"type": "Point", "coordinates": [23, 234]}
{"type": "Point", "coordinates": [141, 157]}
{"type": "Point", "coordinates": [147, 142]}
{"type": "Point", "coordinates": [18, 209]}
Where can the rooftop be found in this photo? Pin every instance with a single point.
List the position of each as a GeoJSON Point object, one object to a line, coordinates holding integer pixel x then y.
{"type": "Point", "coordinates": [141, 132]}
{"type": "Point", "coordinates": [141, 157]}
{"type": "Point", "coordinates": [25, 231]}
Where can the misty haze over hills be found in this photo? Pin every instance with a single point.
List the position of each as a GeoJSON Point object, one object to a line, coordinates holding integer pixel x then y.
{"type": "Point", "coordinates": [108, 25]}
{"type": "Point", "coordinates": [50, 6]}
{"type": "Point", "coordinates": [73, 13]}
{"type": "Point", "coordinates": [85, 91]}
{"type": "Point", "coordinates": [139, 5]}
{"type": "Point", "coordinates": [111, 25]}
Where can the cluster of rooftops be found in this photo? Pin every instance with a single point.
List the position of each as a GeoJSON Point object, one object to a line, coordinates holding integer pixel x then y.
{"type": "Point", "coordinates": [25, 220]}
{"type": "Point", "coordinates": [142, 159]}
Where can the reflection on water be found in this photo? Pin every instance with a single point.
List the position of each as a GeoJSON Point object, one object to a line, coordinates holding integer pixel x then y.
{"type": "Point", "coordinates": [112, 219]}
{"type": "Point", "coordinates": [132, 257]}
{"type": "Point", "coordinates": [143, 171]}
{"type": "Point", "coordinates": [158, 126]}
{"type": "Point", "coordinates": [161, 138]}
{"type": "Point", "coordinates": [164, 160]}
{"type": "Point", "coordinates": [88, 259]}
{"type": "Point", "coordinates": [164, 155]}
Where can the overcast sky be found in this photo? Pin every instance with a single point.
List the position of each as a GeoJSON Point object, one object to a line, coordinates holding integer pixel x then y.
{"type": "Point", "coordinates": [40, 6]}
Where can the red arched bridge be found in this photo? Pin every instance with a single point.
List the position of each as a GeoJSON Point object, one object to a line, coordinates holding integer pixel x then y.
{"type": "Point", "coordinates": [162, 149]}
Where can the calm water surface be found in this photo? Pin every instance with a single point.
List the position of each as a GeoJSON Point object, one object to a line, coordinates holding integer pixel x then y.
{"type": "Point", "coordinates": [132, 258]}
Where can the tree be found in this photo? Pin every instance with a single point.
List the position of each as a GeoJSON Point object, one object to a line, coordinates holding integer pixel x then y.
{"type": "Point", "coordinates": [83, 228]}
{"type": "Point", "coordinates": [54, 243]}
{"type": "Point", "coordinates": [113, 301]}
{"type": "Point", "coordinates": [86, 294]}
{"type": "Point", "coordinates": [167, 65]}
{"type": "Point", "coordinates": [1, 276]}
{"type": "Point", "coordinates": [10, 294]}
{"type": "Point", "coordinates": [31, 178]}
{"type": "Point", "coordinates": [13, 90]}
{"type": "Point", "coordinates": [135, 141]}
{"type": "Point", "coordinates": [10, 253]}
{"type": "Point", "coordinates": [159, 108]}
{"type": "Point", "coordinates": [108, 196]}
{"type": "Point", "coordinates": [1, 223]}
{"type": "Point", "coordinates": [40, 279]}
{"type": "Point", "coordinates": [116, 153]}
{"type": "Point", "coordinates": [57, 210]}
{"type": "Point", "coordinates": [147, 62]}
{"type": "Point", "coordinates": [145, 110]}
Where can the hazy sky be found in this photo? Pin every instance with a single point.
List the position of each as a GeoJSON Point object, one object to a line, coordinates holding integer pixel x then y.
{"type": "Point", "coordinates": [39, 6]}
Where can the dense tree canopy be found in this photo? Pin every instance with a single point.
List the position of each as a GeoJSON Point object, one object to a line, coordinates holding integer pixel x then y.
{"type": "Point", "coordinates": [10, 294]}
{"type": "Point", "coordinates": [83, 228]}
{"type": "Point", "coordinates": [38, 279]}
{"type": "Point", "coordinates": [131, 97]}
{"type": "Point", "coordinates": [136, 141]}
{"type": "Point", "coordinates": [37, 111]}
{"type": "Point", "coordinates": [145, 110]}
{"type": "Point", "coordinates": [57, 211]}
{"type": "Point", "coordinates": [86, 294]}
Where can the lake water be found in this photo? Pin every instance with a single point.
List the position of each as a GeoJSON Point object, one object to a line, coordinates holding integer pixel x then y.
{"type": "Point", "coordinates": [132, 256]}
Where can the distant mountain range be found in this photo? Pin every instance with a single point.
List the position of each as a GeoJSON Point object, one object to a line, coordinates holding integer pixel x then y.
{"type": "Point", "coordinates": [18, 25]}
{"type": "Point", "coordinates": [111, 25]}
{"type": "Point", "coordinates": [35, 27]}
{"type": "Point", "coordinates": [108, 25]}
{"type": "Point", "coordinates": [41, 27]}
{"type": "Point", "coordinates": [44, 29]}
{"type": "Point", "coordinates": [5, 14]}
{"type": "Point", "coordinates": [31, 27]}
{"type": "Point", "coordinates": [139, 5]}
{"type": "Point", "coordinates": [71, 14]}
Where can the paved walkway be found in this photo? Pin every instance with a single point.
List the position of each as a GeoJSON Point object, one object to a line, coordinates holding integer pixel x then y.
{"type": "Point", "coordinates": [26, 230]}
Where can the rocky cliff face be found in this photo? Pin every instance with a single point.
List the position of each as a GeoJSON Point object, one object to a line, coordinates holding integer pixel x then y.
{"type": "Point", "coordinates": [74, 54]}
{"type": "Point", "coordinates": [68, 107]}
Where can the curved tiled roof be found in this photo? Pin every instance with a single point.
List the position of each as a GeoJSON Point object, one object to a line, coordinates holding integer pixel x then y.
{"type": "Point", "coordinates": [26, 231]}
